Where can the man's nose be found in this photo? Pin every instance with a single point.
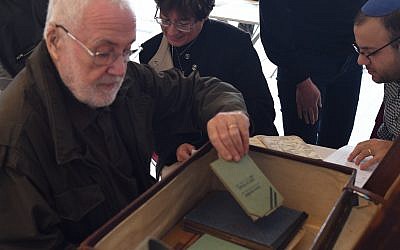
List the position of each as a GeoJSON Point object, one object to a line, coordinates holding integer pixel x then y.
{"type": "Point", "coordinates": [118, 67]}
{"type": "Point", "coordinates": [362, 60]}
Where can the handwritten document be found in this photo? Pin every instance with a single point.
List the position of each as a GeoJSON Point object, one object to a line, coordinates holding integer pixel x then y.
{"type": "Point", "coordinates": [340, 157]}
{"type": "Point", "coordinates": [289, 144]}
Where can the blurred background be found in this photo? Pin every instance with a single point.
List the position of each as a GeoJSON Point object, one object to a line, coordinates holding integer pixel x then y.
{"type": "Point", "coordinates": [370, 96]}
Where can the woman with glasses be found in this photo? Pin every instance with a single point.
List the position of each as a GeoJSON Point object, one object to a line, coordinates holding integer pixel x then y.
{"type": "Point", "coordinates": [192, 42]}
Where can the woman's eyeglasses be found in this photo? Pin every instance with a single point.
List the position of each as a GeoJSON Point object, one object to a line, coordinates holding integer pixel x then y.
{"type": "Point", "coordinates": [183, 26]}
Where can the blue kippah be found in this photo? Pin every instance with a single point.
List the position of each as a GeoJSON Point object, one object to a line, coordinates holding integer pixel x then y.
{"type": "Point", "coordinates": [379, 8]}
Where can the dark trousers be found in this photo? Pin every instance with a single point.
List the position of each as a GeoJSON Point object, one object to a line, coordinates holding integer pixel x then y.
{"type": "Point", "coordinates": [339, 80]}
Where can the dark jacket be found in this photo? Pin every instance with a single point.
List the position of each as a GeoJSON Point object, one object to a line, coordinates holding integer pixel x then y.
{"type": "Point", "coordinates": [51, 194]}
{"type": "Point", "coordinates": [292, 29]}
{"type": "Point", "coordinates": [226, 52]}
{"type": "Point", "coordinates": [21, 29]}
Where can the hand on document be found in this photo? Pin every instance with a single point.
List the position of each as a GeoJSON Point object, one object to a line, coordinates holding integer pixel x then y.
{"type": "Point", "coordinates": [375, 148]}
{"type": "Point", "coordinates": [340, 157]}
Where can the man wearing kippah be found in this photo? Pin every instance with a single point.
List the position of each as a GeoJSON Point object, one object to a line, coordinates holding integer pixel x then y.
{"type": "Point", "coordinates": [377, 34]}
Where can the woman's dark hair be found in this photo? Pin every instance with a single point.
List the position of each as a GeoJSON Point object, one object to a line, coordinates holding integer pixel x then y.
{"type": "Point", "coordinates": [199, 9]}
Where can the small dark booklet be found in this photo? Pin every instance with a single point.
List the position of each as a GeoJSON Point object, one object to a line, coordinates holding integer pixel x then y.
{"type": "Point", "coordinates": [220, 215]}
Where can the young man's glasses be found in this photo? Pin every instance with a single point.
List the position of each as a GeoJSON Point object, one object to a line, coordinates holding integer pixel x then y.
{"type": "Point", "coordinates": [103, 58]}
{"type": "Point", "coordinates": [357, 49]}
{"type": "Point", "coordinates": [183, 26]}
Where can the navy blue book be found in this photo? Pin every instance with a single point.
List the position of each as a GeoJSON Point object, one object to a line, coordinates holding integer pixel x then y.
{"type": "Point", "coordinates": [220, 215]}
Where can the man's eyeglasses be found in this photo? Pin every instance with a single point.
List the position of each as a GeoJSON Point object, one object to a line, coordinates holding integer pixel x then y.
{"type": "Point", "coordinates": [180, 25]}
{"type": "Point", "coordinates": [103, 58]}
{"type": "Point", "coordinates": [357, 49]}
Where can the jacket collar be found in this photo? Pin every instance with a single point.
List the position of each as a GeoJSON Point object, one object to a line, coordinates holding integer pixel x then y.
{"type": "Point", "coordinates": [49, 85]}
{"type": "Point", "coordinates": [59, 102]}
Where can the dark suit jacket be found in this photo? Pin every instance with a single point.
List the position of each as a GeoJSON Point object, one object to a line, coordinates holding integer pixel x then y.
{"type": "Point", "coordinates": [226, 52]}
{"type": "Point", "coordinates": [21, 29]}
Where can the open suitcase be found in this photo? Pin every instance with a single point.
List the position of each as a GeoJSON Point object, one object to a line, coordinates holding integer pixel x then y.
{"type": "Point", "coordinates": [339, 214]}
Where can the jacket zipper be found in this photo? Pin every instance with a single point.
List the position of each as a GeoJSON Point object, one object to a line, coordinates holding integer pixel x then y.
{"type": "Point", "coordinates": [27, 53]}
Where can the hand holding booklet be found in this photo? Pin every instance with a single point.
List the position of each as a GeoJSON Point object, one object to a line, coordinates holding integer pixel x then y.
{"type": "Point", "coordinates": [248, 185]}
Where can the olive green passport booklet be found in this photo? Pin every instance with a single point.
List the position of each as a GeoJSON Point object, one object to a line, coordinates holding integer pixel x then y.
{"type": "Point", "coordinates": [248, 185]}
{"type": "Point", "coordinates": [207, 241]}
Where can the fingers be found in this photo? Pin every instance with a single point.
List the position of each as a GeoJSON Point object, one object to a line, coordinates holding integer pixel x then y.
{"type": "Point", "coordinates": [361, 156]}
{"type": "Point", "coordinates": [310, 116]}
{"type": "Point", "coordinates": [315, 112]}
{"type": "Point", "coordinates": [229, 142]}
{"type": "Point", "coordinates": [306, 117]}
{"type": "Point", "coordinates": [354, 153]}
{"type": "Point", "coordinates": [319, 102]}
{"type": "Point", "coordinates": [184, 151]}
{"type": "Point", "coordinates": [308, 101]}
{"type": "Point", "coordinates": [299, 110]}
{"type": "Point", "coordinates": [236, 138]}
{"type": "Point", "coordinates": [360, 152]}
{"type": "Point", "coordinates": [244, 132]}
{"type": "Point", "coordinates": [374, 147]}
{"type": "Point", "coordinates": [229, 134]}
{"type": "Point", "coordinates": [366, 164]}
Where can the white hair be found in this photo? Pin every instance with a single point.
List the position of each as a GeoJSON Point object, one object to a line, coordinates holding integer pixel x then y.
{"type": "Point", "coordinates": [69, 12]}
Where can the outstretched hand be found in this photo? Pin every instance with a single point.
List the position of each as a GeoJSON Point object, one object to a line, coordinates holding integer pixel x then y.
{"type": "Point", "coordinates": [229, 134]}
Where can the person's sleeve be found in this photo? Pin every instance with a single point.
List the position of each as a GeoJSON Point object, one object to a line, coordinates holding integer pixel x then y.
{"type": "Point", "coordinates": [150, 48]}
{"type": "Point", "coordinates": [277, 37]}
{"type": "Point", "coordinates": [250, 80]}
{"type": "Point", "coordinates": [27, 221]}
{"type": "Point", "coordinates": [383, 133]}
{"type": "Point", "coordinates": [187, 103]}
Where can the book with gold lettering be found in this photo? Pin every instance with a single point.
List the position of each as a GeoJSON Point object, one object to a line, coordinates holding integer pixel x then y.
{"type": "Point", "coordinates": [218, 214]}
{"type": "Point", "coordinates": [248, 185]}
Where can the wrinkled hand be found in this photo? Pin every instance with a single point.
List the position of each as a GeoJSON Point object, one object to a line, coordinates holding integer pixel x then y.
{"type": "Point", "coordinates": [184, 151]}
{"type": "Point", "coordinates": [229, 134]}
{"type": "Point", "coordinates": [308, 100]}
{"type": "Point", "coordinates": [374, 147]}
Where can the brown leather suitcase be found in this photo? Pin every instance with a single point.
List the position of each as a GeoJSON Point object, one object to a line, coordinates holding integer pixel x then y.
{"type": "Point", "coordinates": [325, 191]}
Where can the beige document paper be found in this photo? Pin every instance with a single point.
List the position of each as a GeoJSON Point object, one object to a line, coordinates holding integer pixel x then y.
{"type": "Point", "coordinates": [289, 144]}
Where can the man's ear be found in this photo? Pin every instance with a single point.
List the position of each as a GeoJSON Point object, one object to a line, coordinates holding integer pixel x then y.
{"type": "Point", "coordinates": [53, 41]}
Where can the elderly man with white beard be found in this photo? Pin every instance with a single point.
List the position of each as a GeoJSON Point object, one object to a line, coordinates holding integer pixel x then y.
{"type": "Point", "coordinates": [77, 125]}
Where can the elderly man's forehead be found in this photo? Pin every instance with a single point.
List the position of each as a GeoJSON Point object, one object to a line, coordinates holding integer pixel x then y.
{"type": "Point", "coordinates": [108, 8]}
{"type": "Point", "coordinates": [106, 15]}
